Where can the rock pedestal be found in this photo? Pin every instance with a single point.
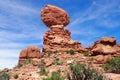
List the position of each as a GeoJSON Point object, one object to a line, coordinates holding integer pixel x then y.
{"type": "Point", "coordinates": [57, 38]}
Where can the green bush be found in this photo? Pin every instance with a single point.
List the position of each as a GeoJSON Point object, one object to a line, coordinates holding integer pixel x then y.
{"type": "Point", "coordinates": [15, 76]}
{"type": "Point", "coordinates": [113, 65]}
{"type": "Point", "coordinates": [57, 62]}
{"type": "Point", "coordinates": [86, 53]}
{"type": "Point", "coordinates": [43, 70]}
{"type": "Point", "coordinates": [29, 61]}
{"type": "Point", "coordinates": [49, 53]}
{"type": "Point", "coordinates": [19, 65]}
{"type": "Point", "coordinates": [70, 52]}
{"type": "Point", "coordinates": [55, 76]}
{"type": "Point", "coordinates": [79, 71]}
{"type": "Point", "coordinates": [55, 52]}
{"type": "Point", "coordinates": [4, 76]}
{"type": "Point", "coordinates": [91, 59]}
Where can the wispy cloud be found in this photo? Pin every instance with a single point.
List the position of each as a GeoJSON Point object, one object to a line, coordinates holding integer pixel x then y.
{"type": "Point", "coordinates": [94, 22]}
{"type": "Point", "coordinates": [19, 28]}
{"type": "Point", "coordinates": [16, 8]}
{"type": "Point", "coordinates": [17, 21]}
{"type": "Point", "coordinates": [99, 10]}
{"type": "Point", "coordinates": [8, 58]}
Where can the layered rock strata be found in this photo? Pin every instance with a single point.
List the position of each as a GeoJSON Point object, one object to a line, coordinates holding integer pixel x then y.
{"type": "Point", "coordinates": [29, 53]}
{"type": "Point", "coordinates": [57, 38]}
{"type": "Point", "coordinates": [105, 49]}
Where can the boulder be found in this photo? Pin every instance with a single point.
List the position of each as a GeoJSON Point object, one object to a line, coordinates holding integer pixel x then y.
{"type": "Point", "coordinates": [52, 15]}
{"type": "Point", "coordinates": [105, 46]}
{"type": "Point", "coordinates": [100, 59]}
{"type": "Point", "coordinates": [104, 49]}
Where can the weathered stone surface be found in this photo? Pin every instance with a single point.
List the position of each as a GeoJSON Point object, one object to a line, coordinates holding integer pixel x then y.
{"type": "Point", "coordinates": [23, 54]}
{"type": "Point", "coordinates": [33, 52]}
{"type": "Point", "coordinates": [105, 46]}
{"type": "Point", "coordinates": [29, 53]}
{"type": "Point", "coordinates": [102, 58]}
{"type": "Point", "coordinates": [52, 15]}
{"type": "Point", "coordinates": [35, 62]}
{"type": "Point", "coordinates": [58, 39]}
{"type": "Point", "coordinates": [105, 49]}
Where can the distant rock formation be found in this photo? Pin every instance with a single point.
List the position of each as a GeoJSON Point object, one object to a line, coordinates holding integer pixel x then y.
{"type": "Point", "coordinates": [29, 53]}
{"type": "Point", "coordinates": [104, 49]}
{"type": "Point", "coordinates": [57, 38]}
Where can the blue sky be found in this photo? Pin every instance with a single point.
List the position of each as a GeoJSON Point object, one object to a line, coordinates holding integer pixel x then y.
{"type": "Point", "coordinates": [21, 26]}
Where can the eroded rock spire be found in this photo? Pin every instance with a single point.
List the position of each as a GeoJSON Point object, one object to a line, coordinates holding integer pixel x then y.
{"type": "Point", "coordinates": [57, 38]}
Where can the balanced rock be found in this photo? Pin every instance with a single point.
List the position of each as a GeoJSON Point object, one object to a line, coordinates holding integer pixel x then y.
{"type": "Point", "coordinates": [29, 53]}
{"type": "Point", "coordinates": [52, 15]}
{"type": "Point", "coordinates": [57, 38]}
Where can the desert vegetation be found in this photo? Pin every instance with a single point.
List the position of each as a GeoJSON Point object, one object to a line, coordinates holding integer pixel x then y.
{"type": "Point", "coordinates": [112, 65]}
{"type": "Point", "coordinates": [55, 76]}
{"type": "Point", "coordinates": [16, 76]}
{"type": "Point", "coordinates": [4, 76]}
{"type": "Point", "coordinates": [70, 52]}
{"type": "Point", "coordinates": [79, 71]}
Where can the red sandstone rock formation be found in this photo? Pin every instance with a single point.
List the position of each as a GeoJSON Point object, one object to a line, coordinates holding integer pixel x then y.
{"type": "Point", "coordinates": [29, 53]}
{"type": "Point", "coordinates": [52, 15]}
{"type": "Point", "coordinates": [104, 49]}
{"type": "Point", "coordinates": [57, 38]}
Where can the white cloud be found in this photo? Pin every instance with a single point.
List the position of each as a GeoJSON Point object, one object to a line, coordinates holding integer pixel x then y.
{"type": "Point", "coordinates": [98, 10]}
{"type": "Point", "coordinates": [19, 28]}
{"type": "Point", "coordinates": [91, 23]}
{"type": "Point", "coordinates": [8, 58]}
{"type": "Point", "coordinates": [16, 8]}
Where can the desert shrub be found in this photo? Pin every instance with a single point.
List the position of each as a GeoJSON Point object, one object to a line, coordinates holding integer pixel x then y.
{"type": "Point", "coordinates": [23, 73]}
{"type": "Point", "coordinates": [19, 65]}
{"type": "Point", "coordinates": [55, 76]}
{"type": "Point", "coordinates": [15, 76]}
{"type": "Point", "coordinates": [86, 53]}
{"type": "Point", "coordinates": [79, 71]}
{"type": "Point", "coordinates": [4, 76]}
{"type": "Point", "coordinates": [91, 59]}
{"type": "Point", "coordinates": [70, 52]}
{"type": "Point", "coordinates": [55, 52]}
{"type": "Point", "coordinates": [113, 65]}
{"type": "Point", "coordinates": [29, 61]}
{"type": "Point", "coordinates": [69, 76]}
{"type": "Point", "coordinates": [49, 53]}
{"type": "Point", "coordinates": [43, 70]}
{"type": "Point", "coordinates": [57, 62]}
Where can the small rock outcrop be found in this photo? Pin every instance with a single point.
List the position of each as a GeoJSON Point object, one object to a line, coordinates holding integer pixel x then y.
{"type": "Point", "coordinates": [29, 53]}
{"type": "Point", "coordinates": [57, 38]}
{"type": "Point", "coordinates": [104, 49]}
